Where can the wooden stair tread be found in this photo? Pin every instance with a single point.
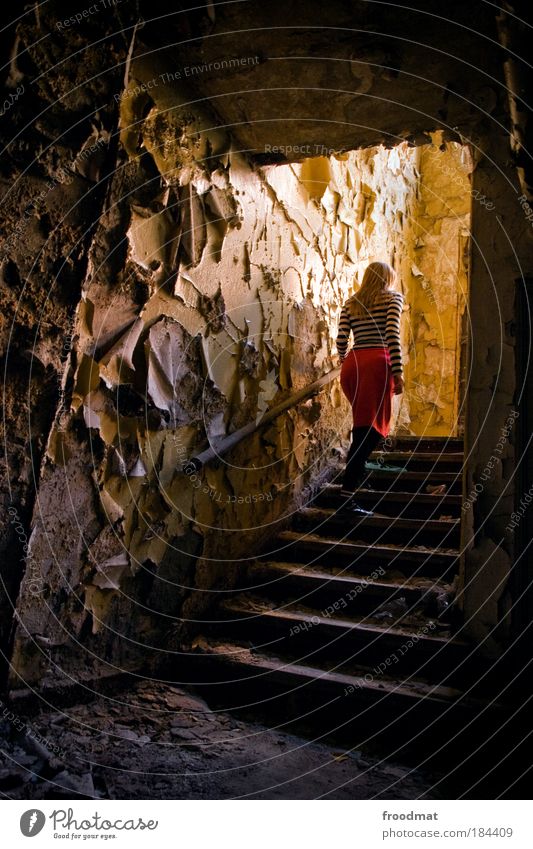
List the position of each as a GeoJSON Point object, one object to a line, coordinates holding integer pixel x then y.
{"type": "Point", "coordinates": [302, 570]}
{"type": "Point", "coordinates": [414, 688]}
{"type": "Point", "coordinates": [242, 605]}
{"type": "Point", "coordinates": [456, 442]}
{"type": "Point", "coordinates": [415, 454]}
{"type": "Point", "coordinates": [385, 549]}
{"type": "Point", "coordinates": [405, 474]}
{"type": "Point", "coordinates": [333, 490]}
{"type": "Point", "coordinates": [287, 605]}
{"type": "Point", "coordinates": [380, 521]}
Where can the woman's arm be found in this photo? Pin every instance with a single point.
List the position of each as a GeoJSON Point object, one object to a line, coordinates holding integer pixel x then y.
{"type": "Point", "coordinates": [343, 333]}
{"type": "Point", "coordinates": [392, 334]}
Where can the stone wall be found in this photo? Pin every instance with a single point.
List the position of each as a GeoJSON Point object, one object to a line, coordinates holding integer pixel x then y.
{"type": "Point", "coordinates": [57, 147]}
{"type": "Point", "coordinates": [213, 291]}
{"type": "Point", "coordinates": [97, 311]}
{"type": "Point", "coordinates": [502, 255]}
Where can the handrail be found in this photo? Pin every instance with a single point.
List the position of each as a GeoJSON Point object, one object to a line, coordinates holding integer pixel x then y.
{"type": "Point", "coordinates": [194, 464]}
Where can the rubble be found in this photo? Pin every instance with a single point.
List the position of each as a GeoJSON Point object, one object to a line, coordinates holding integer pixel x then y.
{"type": "Point", "coordinates": [159, 741]}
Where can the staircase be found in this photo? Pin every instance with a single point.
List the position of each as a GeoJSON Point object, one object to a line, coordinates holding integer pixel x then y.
{"type": "Point", "coordinates": [350, 622]}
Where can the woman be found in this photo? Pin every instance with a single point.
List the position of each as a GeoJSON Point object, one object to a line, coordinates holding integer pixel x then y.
{"type": "Point", "coordinates": [371, 372]}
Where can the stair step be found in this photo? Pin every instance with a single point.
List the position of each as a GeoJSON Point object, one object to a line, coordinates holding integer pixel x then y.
{"type": "Point", "coordinates": [396, 455]}
{"type": "Point", "coordinates": [358, 708]}
{"type": "Point", "coordinates": [322, 589]}
{"type": "Point", "coordinates": [421, 460]}
{"type": "Point", "coordinates": [382, 528]}
{"type": "Point", "coordinates": [329, 551]}
{"type": "Point", "coordinates": [426, 477]}
{"type": "Point", "coordinates": [414, 481]}
{"type": "Point", "coordinates": [271, 678]}
{"type": "Point", "coordinates": [414, 648]}
{"type": "Point", "coordinates": [440, 444]}
{"type": "Point", "coordinates": [408, 504]}
{"type": "Point", "coordinates": [418, 479]}
{"type": "Point", "coordinates": [346, 618]}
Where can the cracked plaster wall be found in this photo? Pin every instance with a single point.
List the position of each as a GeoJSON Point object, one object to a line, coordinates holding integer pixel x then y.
{"type": "Point", "coordinates": [438, 290]}
{"type": "Point", "coordinates": [118, 288]}
{"type": "Point", "coordinates": [56, 152]}
{"type": "Point", "coordinates": [213, 291]}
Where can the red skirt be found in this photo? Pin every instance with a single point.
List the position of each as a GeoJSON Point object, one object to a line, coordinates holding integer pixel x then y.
{"type": "Point", "coordinates": [366, 380]}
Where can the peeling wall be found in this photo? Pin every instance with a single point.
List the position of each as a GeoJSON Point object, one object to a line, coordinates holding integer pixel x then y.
{"type": "Point", "coordinates": [55, 155]}
{"type": "Point", "coordinates": [438, 290]}
{"type": "Point", "coordinates": [213, 291]}
{"type": "Point", "coordinates": [207, 288]}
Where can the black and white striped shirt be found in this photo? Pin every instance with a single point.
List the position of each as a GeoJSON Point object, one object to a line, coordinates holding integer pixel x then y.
{"type": "Point", "coordinates": [377, 328]}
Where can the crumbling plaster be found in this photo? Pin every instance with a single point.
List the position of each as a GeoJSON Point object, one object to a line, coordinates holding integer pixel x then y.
{"type": "Point", "coordinates": [55, 157]}
{"type": "Point", "coordinates": [119, 287]}
{"type": "Point", "coordinates": [439, 290]}
{"type": "Point", "coordinates": [219, 294]}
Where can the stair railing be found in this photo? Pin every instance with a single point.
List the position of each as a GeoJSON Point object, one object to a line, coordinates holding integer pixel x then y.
{"type": "Point", "coordinates": [221, 447]}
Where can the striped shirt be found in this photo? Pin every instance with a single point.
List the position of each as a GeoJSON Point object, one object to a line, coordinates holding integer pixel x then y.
{"type": "Point", "coordinates": [378, 327]}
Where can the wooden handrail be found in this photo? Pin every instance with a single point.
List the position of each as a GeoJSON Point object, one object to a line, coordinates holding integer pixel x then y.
{"type": "Point", "coordinates": [195, 463]}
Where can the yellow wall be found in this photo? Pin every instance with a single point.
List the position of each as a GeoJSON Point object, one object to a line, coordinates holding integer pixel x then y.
{"type": "Point", "coordinates": [437, 290]}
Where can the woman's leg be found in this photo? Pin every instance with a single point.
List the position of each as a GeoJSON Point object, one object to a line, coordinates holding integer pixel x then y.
{"type": "Point", "coordinates": [364, 441]}
{"type": "Point", "coordinates": [351, 473]}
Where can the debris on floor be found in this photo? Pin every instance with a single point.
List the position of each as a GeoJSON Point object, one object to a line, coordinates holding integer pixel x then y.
{"type": "Point", "coordinates": [159, 741]}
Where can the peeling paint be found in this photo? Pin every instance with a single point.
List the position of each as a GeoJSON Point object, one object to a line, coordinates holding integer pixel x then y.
{"type": "Point", "coordinates": [228, 299]}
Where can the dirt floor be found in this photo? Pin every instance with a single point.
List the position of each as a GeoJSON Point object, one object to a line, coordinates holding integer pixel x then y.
{"type": "Point", "coordinates": [161, 742]}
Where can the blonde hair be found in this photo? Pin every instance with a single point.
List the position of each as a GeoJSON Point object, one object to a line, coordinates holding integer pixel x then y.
{"type": "Point", "coordinates": [376, 286]}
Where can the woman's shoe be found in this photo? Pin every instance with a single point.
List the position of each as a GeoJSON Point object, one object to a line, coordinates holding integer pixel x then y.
{"type": "Point", "coordinates": [351, 506]}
